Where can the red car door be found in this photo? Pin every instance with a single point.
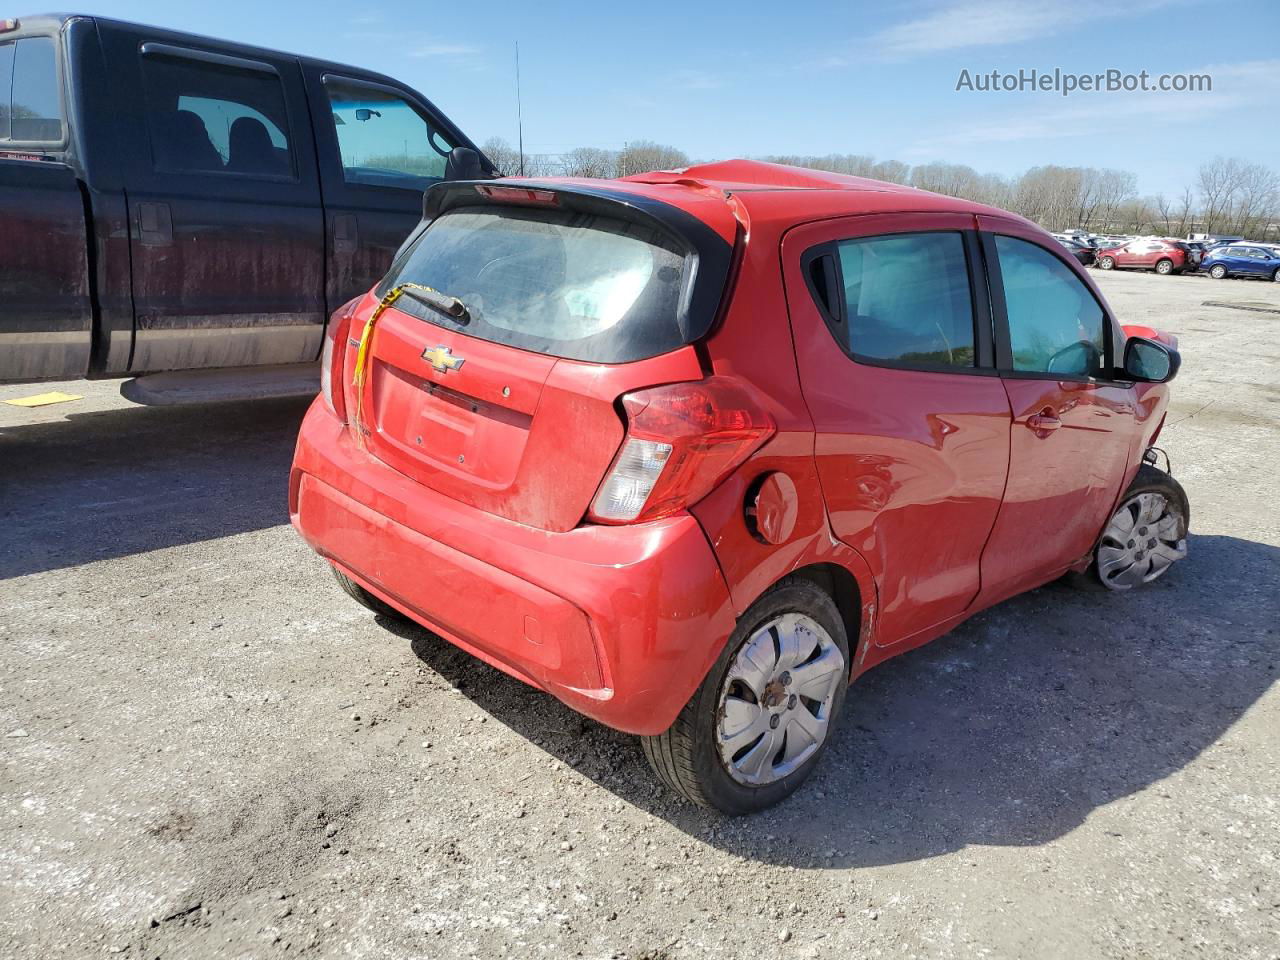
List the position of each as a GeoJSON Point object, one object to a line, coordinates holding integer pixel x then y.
{"type": "Point", "coordinates": [893, 341]}
{"type": "Point", "coordinates": [1072, 426]}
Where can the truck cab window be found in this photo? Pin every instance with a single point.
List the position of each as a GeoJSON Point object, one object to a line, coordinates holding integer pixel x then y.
{"type": "Point", "coordinates": [30, 110]}
{"type": "Point", "coordinates": [384, 141]}
{"type": "Point", "coordinates": [206, 118]}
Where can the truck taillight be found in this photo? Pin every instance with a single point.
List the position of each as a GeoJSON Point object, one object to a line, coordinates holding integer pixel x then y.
{"type": "Point", "coordinates": [682, 440]}
{"type": "Point", "coordinates": [333, 359]}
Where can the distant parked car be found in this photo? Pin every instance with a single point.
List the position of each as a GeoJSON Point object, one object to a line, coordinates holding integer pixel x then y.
{"type": "Point", "coordinates": [1162, 256]}
{"type": "Point", "coordinates": [1243, 260]}
{"type": "Point", "coordinates": [1081, 251]}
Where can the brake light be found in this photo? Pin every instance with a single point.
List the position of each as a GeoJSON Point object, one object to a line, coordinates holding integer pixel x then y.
{"type": "Point", "coordinates": [525, 195]}
{"type": "Point", "coordinates": [682, 440]}
{"type": "Point", "coordinates": [8, 26]}
{"type": "Point", "coordinates": [333, 359]}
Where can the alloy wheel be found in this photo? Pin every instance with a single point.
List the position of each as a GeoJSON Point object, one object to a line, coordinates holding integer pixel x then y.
{"type": "Point", "coordinates": [1142, 541]}
{"type": "Point", "coordinates": [776, 700]}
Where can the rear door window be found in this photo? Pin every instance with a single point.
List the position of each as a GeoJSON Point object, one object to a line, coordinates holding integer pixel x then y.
{"type": "Point", "coordinates": [1056, 326]}
{"type": "Point", "coordinates": [206, 117]}
{"type": "Point", "coordinates": [383, 140]}
{"type": "Point", "coordinates": [574, 285]}
{"type": "Point", "coordinates": [907, 301]}
{"type": "Point", "coordinates": [30, 104]}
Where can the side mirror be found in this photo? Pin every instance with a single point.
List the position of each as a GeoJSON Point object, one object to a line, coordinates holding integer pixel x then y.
{"type": "Point", "coordinates": [463, 164]}
{"type": "Point", "coordinates": [364, 114]}
{"type": "Point", "coordinates": [1148, 361]}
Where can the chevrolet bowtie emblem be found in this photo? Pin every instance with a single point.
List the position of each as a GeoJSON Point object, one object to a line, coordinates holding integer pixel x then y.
{"type": "Point", "coordinates": [442, 359]}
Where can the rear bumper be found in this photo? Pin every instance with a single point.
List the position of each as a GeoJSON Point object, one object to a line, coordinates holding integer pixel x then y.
{"type": "Point", "coordinates": [620, 623]}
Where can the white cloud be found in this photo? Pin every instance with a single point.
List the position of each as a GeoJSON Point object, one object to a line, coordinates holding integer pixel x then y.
{"type": "Point", "coordinates": [986, 23]}
{"type": "Point", "coordinates": [445, 51]}
{"type": "Point", "coordinates": [696, 80]}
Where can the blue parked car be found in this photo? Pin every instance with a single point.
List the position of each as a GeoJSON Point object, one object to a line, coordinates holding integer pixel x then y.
{"type": "Point", "coordinates": [1242, 260]}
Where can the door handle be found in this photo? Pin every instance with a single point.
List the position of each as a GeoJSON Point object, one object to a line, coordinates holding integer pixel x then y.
{"type": "Point", "coordinates": [1044, 422]}
{"type": "Point", "coordinates": [346, 233]}
{"type": "Point", "coordinates": [155, 224]}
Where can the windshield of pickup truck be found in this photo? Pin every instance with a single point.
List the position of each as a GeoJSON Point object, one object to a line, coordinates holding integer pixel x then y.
{"type": "Point", "coordinates": [572, 285]}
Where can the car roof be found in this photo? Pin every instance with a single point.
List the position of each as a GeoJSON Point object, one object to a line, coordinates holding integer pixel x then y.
{"type": "Point", "coordinates": [782, 195]}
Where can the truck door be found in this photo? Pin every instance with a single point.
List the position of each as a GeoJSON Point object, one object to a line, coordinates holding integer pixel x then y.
{"type": "Point", "coordinates": [379, 147]}
{"type": "Point", "coordinates": [45, 312]}
{"type": "Point", "coordinates": [225, 225]}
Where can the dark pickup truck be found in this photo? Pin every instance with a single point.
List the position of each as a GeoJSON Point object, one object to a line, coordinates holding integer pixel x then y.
{"type": "Point", "coordinates": [172, 202]}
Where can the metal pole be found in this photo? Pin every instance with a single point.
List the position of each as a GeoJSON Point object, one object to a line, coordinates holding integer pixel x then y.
{"type": "Point", "coordinates": [519, 111]}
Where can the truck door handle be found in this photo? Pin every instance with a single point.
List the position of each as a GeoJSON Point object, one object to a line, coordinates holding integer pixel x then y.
{"type": "Point", "coordinates": [155, 224]}
{"type": "Point", "coordinates": [346, 233]}
{"type": "Point", "coordinates": [1044, 422]}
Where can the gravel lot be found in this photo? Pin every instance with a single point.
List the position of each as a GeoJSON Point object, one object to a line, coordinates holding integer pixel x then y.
{"type": "Point", "coordinates": [209, 751]}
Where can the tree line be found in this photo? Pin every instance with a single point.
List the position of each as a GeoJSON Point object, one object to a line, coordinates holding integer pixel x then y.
{"type": "Point", "coordinates": [1228, 196]}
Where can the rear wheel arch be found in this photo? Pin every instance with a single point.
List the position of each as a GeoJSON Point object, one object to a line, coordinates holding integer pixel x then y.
{"type": "Point", "coordinates": [842, 587]}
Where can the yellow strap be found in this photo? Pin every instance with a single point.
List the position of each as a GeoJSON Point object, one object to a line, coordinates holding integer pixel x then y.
{"type": "Point", "coordinates": [361, 373]}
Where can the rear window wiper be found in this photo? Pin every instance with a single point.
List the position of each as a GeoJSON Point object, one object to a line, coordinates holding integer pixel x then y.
{"type": "Point", "coordinates": [451, 307]}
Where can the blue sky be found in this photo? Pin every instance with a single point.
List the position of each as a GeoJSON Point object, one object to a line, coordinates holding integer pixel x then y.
{"type": "Point", "coordinates": [740, 79]}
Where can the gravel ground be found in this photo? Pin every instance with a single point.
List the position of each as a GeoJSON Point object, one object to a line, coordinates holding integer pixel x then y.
{"type": "Point", "coordinates": [209, 751]}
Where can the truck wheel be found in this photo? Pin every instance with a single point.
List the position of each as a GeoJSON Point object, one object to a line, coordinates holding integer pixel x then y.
{"type": "Point", "coordinates": [1107, 263]}
{"type": "Point", "coordinates": [366, 599]}
{"type": "Point", "coordinates": [1164, 267]}
{"type": "Point", "coordinates": [1144, 537]}
{"type": "Point", "coordinates": [1217, 271]}
{"type": "Point", "coordinates": [755, 728]}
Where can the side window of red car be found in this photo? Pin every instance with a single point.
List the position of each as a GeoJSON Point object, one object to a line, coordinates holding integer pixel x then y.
{"type": "Point", "coordinates": [906, 301]}
{"type": "Point", "coordinates": [1055, 323]}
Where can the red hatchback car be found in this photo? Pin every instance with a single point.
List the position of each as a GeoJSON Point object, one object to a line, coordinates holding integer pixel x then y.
{"type": "Point", "coordinates": [691, 451]}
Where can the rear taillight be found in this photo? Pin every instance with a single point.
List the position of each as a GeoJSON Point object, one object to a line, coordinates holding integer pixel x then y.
{"type": "Point", "coordinates": [333, 358]}
{"type": "Point", "coordinates": [682, 440]}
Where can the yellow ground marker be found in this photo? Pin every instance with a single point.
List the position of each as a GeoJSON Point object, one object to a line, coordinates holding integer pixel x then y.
{"type": "Point", "coordinates": [44, 399]}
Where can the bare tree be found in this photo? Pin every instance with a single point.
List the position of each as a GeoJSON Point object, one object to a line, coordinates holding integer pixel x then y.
{"type": "Point", "coordinates": [891, 171]}
{"type": "Point", "coordinates": [849, 164]}
{"type": "Point", "coordinates": [1117, 196]}
{"type": "Point", "coordinates": [504, 156]}
{"type": "Point", "coordinates": [1164, 214]}
{"type": "Point", "coordinates": [641, 156]}
{"type": "Point", "coordinates": [1217, 182]}
{"type": "Point", "coordinates": [1257, 197]}
{"type": "Point", "coordinates": [590, 162]}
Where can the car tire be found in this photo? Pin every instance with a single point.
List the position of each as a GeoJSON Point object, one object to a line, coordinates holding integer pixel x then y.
{"type": "Point", "coordinates": [1106, 263]}
{"type": "Point", "coordinates": [1217, 271]}
{"type": "Point", "coordinates": [694, 756]}
{"type": "Point", "coordinates": [1276, 275]}
{"type": "Point", "coordinates": [1122, 561]}
{"type": "Point", "coordinates": [1164, 267]}
{"type": "Point", "coordinates": [366, 599]}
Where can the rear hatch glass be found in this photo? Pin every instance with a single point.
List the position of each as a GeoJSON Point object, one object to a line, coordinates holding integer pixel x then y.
{"type": "Point", "coordinates": [565, 284]}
